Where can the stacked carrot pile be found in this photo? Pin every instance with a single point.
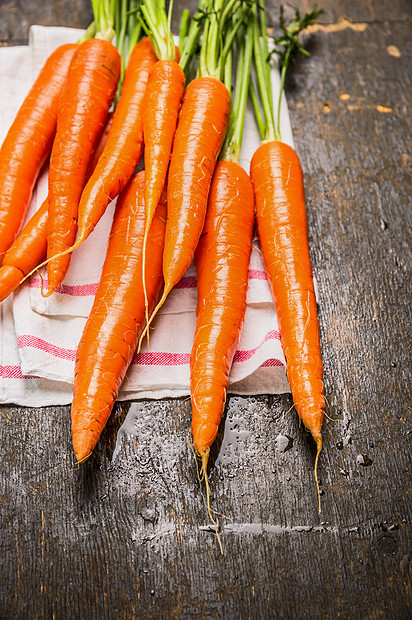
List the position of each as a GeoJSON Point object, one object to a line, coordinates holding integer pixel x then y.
{"type": "Point", "coordinates": [193, 201]}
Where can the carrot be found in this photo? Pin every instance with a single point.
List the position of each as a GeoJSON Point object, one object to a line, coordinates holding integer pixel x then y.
{"type": "Point", "coordinates": [117, 318]}
{"type": "Point", "coordinates": [199, 136]}
{"type": "Point", "coordinates": [88, 94]}
{"type": "Point", "coordinates": [282, 228]}
{"type": "Point", "coordinates": [222, 263]}
{"type": "Point", "coordinates": [124, 147]}
{"type": "Point", "coordinates": [28, 143]}
{"type": "Point", "coordinates": [163, 98]}
{"type": "Point", "coordinates": [29, 247]}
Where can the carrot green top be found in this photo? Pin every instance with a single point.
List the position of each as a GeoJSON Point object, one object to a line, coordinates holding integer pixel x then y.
{"type": "Point", "coordinates": [128, 29]}
{"type": "Point", "coordinates": [289, 41]}
{"type": "Point", "coordinates": [244, 48]}
{"type": "Point", "coordinates": [104, 16]}
{"type": "Point", "coordinates": [190, 34]}
{"type": "Point", "coordinates": [222, 22]}
{"type": "Point", "coordinates": [157, 24]}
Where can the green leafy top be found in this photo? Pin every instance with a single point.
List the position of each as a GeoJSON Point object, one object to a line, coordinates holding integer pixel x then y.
{"type": "Point", "coordinates": [244, 48]}
{"type": "Point", "coordinates": [157, 25]}
{"type": "Point", "coordinates": [104, 14]}
{"type": "Point", "coordinates": [223, 20]}
{"type": "Point", "coordinates": [289, 38]}
{"type": "Point", "coordinates": [289, 41]}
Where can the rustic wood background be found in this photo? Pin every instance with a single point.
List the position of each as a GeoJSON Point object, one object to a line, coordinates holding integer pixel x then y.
{"type": "Point", "coordinates": [126, 535]}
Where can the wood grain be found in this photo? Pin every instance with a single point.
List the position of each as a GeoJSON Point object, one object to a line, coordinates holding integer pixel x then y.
{"type": "Point", "coordinates": [126, 535]}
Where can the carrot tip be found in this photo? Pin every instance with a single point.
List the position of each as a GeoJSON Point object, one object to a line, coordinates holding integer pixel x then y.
{"type": "Point", "coordinates": [318, 440]}
{"type": "Point", "coordinates": [49, 292]}
{"type": "Point", "coordinates": [83, 445]}
{"type": "Point", "coordinates": [82, 458]}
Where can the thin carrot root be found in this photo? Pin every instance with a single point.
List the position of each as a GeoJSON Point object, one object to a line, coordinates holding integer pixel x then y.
{"type": "Point", "coordinates": [41, 280]}
{"type": "Point", "coordinates": [328, 416]}
{"type": "Point", "coordinates": [82, 460]}
{"type": "Point", "coordinates": [285, 414]}
{"type": "Point", "coordinates": [318, 440]}
{"type": "Point", "coordinates": [204, 476]}
{"type": "Point", "coordinates": [45, 262]}
{"type": "Point", "coordinates": [333, 419]}
{"type": "Point", "coordinates": [148, 323]}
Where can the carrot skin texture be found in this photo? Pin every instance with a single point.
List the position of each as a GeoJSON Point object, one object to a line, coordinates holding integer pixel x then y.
{"type": "Point", "coordinates": [124, 147]}
{"type": "Point", "coordinates": [163, 98]}
{"type": "Point", "coordinates": [117, 318]}
{"type": "Point", "coordinates": [84, 105]}
{"type": "Point", "coordinates": [100, 146]}
{"type": "Point", "coordinates": [28, 143]}
{"type": "Point", "coordinates": [222, 263]}
{"type": "Point", "coordinates": [29, 248]}
{"type": "Point", "coordinates": [282, 228]}
{"type": "Point", "coordinates": [199, 136]}
{"type": "Point", "coordinates": [27, 251]}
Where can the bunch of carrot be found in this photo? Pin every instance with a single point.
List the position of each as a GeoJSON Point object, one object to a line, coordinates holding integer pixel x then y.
{"type": "Point", "coordinates": [186, 204]}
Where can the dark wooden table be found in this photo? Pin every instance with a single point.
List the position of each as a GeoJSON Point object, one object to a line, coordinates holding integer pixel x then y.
{"type": "Point", "coordinates": [128, 537]}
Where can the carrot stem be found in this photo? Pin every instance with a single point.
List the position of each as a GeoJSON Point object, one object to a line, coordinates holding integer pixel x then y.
{"type": "Point", "coordinates": [264, 84]}
{"type": "Point", "coordinates": [183, 29]}
{"type": "Point", "coordinates": [104, 12]}
{"type": "Point", "coordinates": [233, 143]}
{"type": "Point", "coordinates": [222, 24]}
{"type": "Point", "coordinates": [134, 27]}
{"type": "Point", "coordinates": [158, 27]}
{"type": "Point", "coordinates": [239, 19]}
{"type": "Point", "coordinates": [227, 78]}
{"type": "Point", "coordinates": [89, 34]}
{"type": "Point", "coordinates": [265, 49]}
{"type": "Point", "coordinates": [193, 35]}
{"type": "Point", "coordinates": [256, 107]}
{"type": "Point", "coordinates": [290, 42]}
{"type": "Point", "coordinates": [282, 84]}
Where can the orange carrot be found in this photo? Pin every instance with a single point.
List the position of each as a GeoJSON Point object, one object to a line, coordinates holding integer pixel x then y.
{"type": "Point", "coordinates": [222, 263]}
{"type": "Point", "coordinates": [29, 247]}
{"type": "Point", "coordinates": [27, 251]}
{"type": "Point", "coordinates": [163, 98]}
{"type": "Point", "coordinates": [88, 94]}
{"type": "Point", "coordinates": [28, 143]}
{"type": "Point", "coordinates": [124, 147]}
{"type": "Point", "coordinates": [282, 227]}
{"type": "Point", "coordinates": [117, 318]}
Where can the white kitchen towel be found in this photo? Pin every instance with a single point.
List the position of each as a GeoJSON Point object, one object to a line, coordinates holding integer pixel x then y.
{"type": "Point", "coordinates": [40, 335]}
